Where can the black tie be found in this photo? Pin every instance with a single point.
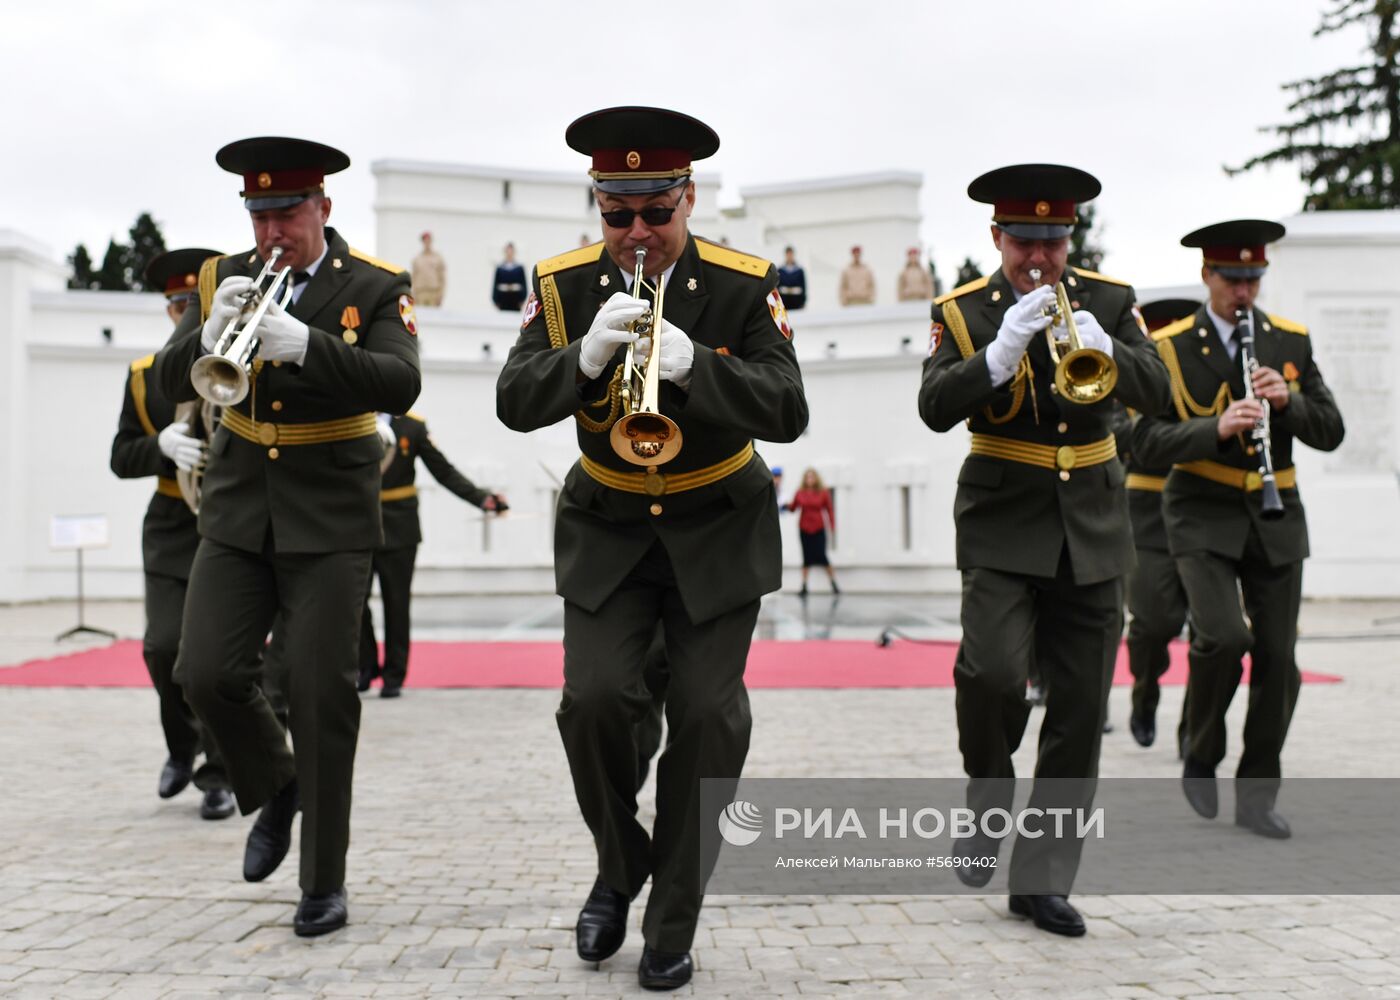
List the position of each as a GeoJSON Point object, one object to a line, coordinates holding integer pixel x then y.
{"type": "Point", "coordinates": [301, 277]}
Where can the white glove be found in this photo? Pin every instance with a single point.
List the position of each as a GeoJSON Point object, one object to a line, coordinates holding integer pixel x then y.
{"type": "Point", "coordinates": [386, 433]}
{"type": "Point", "coordinates": [608, 330]}
{"type": "Point", "coordinates": [282, 337]}
{"type": "Point", "coordinates": [176, 444]}
{"type": "Point", "coordinates": [1092, 334]}
{"type": "Point", "coordinates": [1022, 322]}
{"type": "Point", "coordinates": [677, 355]}
{"type": "Point", "coordinates": [228, 302]}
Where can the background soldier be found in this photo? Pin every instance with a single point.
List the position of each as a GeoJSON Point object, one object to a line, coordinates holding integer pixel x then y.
{"type": "Point", "coordinates": [792, 281]}
{"type": "Point", "coordinates": [393, 562]}
{"type": "Point", "coordinates": [290, 510]}
{"type": "Point", "coordinates": [508, 286]}
{"type": "Point", "coordinates": [915, 282]}
{"type": "Point", "coordinates": [1156, 599]}
{"type": "Point", "coordinates": [429, 274]}
{"type": "Point", "coordinates": [1223, 544]}
{"type": "Point", "coordinates": [857, 282]}
{"type": "Point", "coordinates": [693, 544]}
{"type": "Point", "coordinates": [1042, 520]}
{"type": "Point", "coordinates": [150, 442]}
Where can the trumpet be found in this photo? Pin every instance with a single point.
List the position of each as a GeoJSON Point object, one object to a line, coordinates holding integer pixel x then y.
{"type": "Point", "coordinates": [203, 418]}
{"type": "Point", "coordinates": [1082, 374]}
{"type": "Point", "coordinates": [222, 376]}
{"type": "Point", "coordinates": [1263, 443]}
{"type": "Point", "coordinates": [643, 435]}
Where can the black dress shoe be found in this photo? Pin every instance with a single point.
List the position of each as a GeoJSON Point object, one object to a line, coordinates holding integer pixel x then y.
{"type": "Point", "coordinates": [1144, 729]}
{"type": "Point", "coordinates": [320, 914]}
{"type": "Point", "coordinates": [218, 804]}
{"type": "Point", "coordinates": [664, 970]}
{"type": "Point", "coordinates": [602, 923]}
{"type": "Point", "coordinates": [271, 834]}
{"type": "Point", "coordinates": [1050, 913]}
{"type": "Point", "coordinates": [1198, 782]}
{"type": "Point", "coordinates": [174, 776]}
{"type": "Point", "coordinates": [972, 869]}
{"type": "Point", "coordinates": [390, 691]}
{"type": "Point", "coordinates": [1263, 821]}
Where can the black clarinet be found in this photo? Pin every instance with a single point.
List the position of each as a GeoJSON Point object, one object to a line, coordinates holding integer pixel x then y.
{"type": "Point", "coordinates": [1263, 443]}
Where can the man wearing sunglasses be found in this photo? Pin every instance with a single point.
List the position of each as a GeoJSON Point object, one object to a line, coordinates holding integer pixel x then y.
{"type": "Point", "coordinates": [692, 544]}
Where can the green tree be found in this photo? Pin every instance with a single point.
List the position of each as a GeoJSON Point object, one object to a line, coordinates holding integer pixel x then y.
{"type": "Point", "coordinates": [81, 265]}
{"type": "Point", "coordinates": [969, 271]}
{"type": "Point", "coordinates": [146, 245]}
{"type": "Point", "coordinates": [1085, 251]}
{"type": "Point", "coordinates": [113, 275]}
{"type": "Point", "coordinates": [1345, 138]}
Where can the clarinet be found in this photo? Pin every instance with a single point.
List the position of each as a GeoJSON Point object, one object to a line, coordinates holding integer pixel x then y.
{"type": "Point", "coordinates": [1263, 443]}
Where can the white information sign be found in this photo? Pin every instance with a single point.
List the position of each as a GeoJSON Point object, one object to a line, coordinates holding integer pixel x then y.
{"type": "Point", "coordinates": [78, 531]}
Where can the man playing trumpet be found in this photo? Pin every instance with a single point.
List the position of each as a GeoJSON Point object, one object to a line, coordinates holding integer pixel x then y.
{"type": "Point", "coordinates": [290, 510]}
{"type": "Point", "coordinates": [1043, 539]}
{"type": "Point", "coordinates": [691, 542]}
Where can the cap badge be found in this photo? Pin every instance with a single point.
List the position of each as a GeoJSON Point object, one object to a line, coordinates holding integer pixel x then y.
{"type": "Point", "coordinates": [1042, 208]}
{"type": "Point", "coordinates": [634, 159]}
{"type": "Point", "coordinates": [190, 279]}
{"type": "Point", "coordinates": [264, 180]}
{"type": "Point", "coordinates": [1246, 254]}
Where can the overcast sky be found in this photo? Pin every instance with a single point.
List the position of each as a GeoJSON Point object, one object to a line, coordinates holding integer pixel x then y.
{"type": "Point", "coordinates": [115, 109]}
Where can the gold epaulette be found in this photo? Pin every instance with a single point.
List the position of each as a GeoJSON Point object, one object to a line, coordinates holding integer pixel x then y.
{"type": "Point", "coordinates": [733, 260]}
{"type": "Point", "coordinates": [1096, 276]}
{"type": "Point", "coordinates": [141, 364]}
{"type": "Point", "coordinates": [208, 284]}
{"type": "Point", "coordinates": [381, 264]}
{"type": "Point", "coordinates": [1175, 327]}
{"type": "Point", "coordinates": [416, 416]}
{"type": "Point", "coordinates": [570, 260]}
{"type": "Point", "coordinates": [1287, 324]}
{"type": "Point", "coordinates": [972, 286]}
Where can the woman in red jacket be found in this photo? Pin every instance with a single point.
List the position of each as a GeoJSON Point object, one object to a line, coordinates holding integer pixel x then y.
{"type": "Point", "coordinates": [813, 500]}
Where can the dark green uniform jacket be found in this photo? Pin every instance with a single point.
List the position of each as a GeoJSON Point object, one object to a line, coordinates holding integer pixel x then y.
{"type": "Point", "coordinates": [412, 442]}
{"type": "Point", "coordinates": [362, 357]}
{"type": "Point", "coordinates": [1206, 516]}
{"type": "Point", "coordinates": [1014, 517]}
{"type": "Point", "coordinates": [1144, 484]}
{"type": "Point", "coordinates": [722, 539]}
{"type": "Point", "coordinates": [168, 534]}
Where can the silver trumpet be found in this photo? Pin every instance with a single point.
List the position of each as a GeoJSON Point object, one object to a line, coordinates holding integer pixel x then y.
{"type": "Point", "coordinates": [222, 376]}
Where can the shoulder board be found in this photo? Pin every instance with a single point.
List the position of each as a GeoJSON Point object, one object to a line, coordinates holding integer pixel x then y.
{"type": "Point", "coordinates": [383, 265]}
{"type": "Point", "coordinates": [976, 284]}
{"type": "Point", "coordinates": [416, 416]}
{"type": "Point", "coordinates": [141, 364]}
{"type": "Point", "coordinates": [1175, 327]}
{"type": "Point", "coordinates": [567, 261]}
{"type": "Point", "coordinates": [1096, 276]}
{"type": "Point", "coordinates": [722, 256]}
{"type": "Point", "coordinates": [1287, 324]}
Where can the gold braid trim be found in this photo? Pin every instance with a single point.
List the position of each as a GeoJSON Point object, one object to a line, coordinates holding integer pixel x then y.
{"type": "Point", "coordinates": [958, 326]}
{"type": "Point", "coordinates": [1186, 406]}
{"type": "Point", "coordinates": [138, 392]}
{"type": "Point", "coordinates": [553, 308]}
{"type": "Point", "coordinates": [208, 284]}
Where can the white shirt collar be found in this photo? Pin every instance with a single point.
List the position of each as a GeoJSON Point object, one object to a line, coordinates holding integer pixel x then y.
{"type": "Point", "coordinates": [627, 275]}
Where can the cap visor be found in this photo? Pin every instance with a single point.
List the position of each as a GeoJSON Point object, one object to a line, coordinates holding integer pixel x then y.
{"type": "Point", "coordinates": [1240, 272]}
{"type": "Point", "coordinates": [282, 201]}
{"type": "Point", "coordinates": [640, 185]}
{"type": "Point", "coordinates": [1034, 231]}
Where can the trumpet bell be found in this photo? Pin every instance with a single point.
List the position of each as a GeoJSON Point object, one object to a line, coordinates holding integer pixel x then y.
{"type": "Point", "coordinates": [219, 380]}
{"type": "Point", "coordinates": [645, 438]}
{"type": "Point", "coordinates": [1086, 376]}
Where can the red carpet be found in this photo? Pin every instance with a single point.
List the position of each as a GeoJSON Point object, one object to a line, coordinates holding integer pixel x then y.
{"type": "Point", "coordinates": [772, 664]}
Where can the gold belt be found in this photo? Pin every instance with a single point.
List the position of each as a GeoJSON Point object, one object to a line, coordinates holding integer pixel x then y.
{"type": "Point", "coordinates": [656, 484]}
{"type": "Point", "coordinates": [398, 493]}
{"type": "Point", "coordinates": [1046, 456]}
{"type": "Point", "coordinates": [1148, 484]}
{"type": "Point", "coordinates": [1248, 480]}
{"type": "Point", "coordinates": [268, 433]}
{"type": "Point", "coordinates": [168, 487]}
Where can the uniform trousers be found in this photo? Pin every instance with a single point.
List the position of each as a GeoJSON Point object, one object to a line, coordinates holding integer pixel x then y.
{"type": "Point", "coordinates": [233, 598]}
{"type": "Point", "coordinates": [708, 720]}
{"type": "Point", "coordinates": [1071, 632]}
{"type": "Point", "coordinates": [394, 567]}
{"type": "Point", "coordinates": [1157, 605]}
{"type": "Point", "coordinates": [1220, 639]}
{"type": "Point", "coordinates": [165, 609]}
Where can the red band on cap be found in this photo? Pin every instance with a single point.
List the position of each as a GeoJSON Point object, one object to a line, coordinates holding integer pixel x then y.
{"type": "Point", "coordinates": [1040, 210]}
{"type": "Point", "coordinates": [270, 183]}
{"type": "Point", "coordinates": [178, 283]}
{"type": "Point", "coordinates": [1234, 255]}
{"type": "Point", "coordinates": [623, 161]}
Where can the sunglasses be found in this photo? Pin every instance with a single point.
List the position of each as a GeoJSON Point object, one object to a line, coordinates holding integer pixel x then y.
{"type": "Point", "coordinates": [653, 215]}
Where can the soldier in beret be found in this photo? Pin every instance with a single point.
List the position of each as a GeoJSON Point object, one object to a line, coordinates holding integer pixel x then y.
{"type": "Point", "coordinates": [692, 543]}
{"type": "Point", "coordinates": [151, 442]}
{"type": "Point", "coordinates": [290, 511]}
{"type": "Point", "coordinates": [1043, 539]}
{"type": "Point", "coordinates": [1225, 542]}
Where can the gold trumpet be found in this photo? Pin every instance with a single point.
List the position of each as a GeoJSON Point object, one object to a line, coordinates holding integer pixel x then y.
{"type": "Point", "coordinates": [1082, 374]}
{"type": "Point", "coordinates": [643, 435]}
{"type": "Point", "coordinates": [222, 376]}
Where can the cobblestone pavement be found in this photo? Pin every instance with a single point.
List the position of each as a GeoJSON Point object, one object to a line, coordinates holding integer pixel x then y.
{"type": "Point", "coordinates": [469, 859]}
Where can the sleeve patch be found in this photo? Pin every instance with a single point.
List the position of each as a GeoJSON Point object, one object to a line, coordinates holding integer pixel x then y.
{"type": "Point", "coordinates": [410, 322]}
{"type": "Point", "coordinates": [935, 337]}
{"type": "Point", "coordinates": [779, 313]}
{"type": "Point", "coordinates": [1142, 323]}
{"type": "Point", "coordinates": [531, 310]}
